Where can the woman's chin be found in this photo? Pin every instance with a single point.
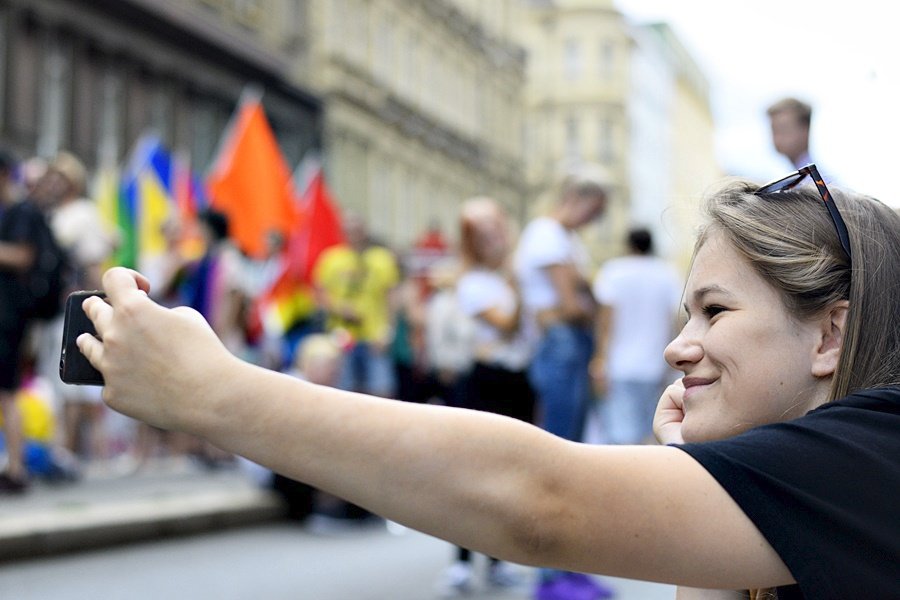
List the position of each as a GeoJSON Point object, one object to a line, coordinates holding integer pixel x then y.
{"type": "Point", "coordinates": [695, 430]}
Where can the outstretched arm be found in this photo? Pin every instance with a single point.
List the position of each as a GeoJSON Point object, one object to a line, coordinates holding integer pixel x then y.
{"type": "Point", "coordinates": [514, 491]}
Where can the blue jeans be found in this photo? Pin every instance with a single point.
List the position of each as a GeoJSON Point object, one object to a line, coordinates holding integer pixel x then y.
{"type": "Point", "coordinates": [365, 370]}
{"type": "Point", "coordinates": [559, 375]}
{"type": "Point", "coordinates": [628, 408]}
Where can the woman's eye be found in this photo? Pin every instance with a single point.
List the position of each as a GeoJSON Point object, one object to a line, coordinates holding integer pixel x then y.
{"type": "Point", "coordinates": [712, 310]}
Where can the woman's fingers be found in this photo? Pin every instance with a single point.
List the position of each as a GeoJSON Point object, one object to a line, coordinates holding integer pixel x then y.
{"type": "Point", "coordinates": [91, 347]}
{"type": "Point", "coordinates": [99, 312]}
{"type": "Point", "coordinates": [120, 284]}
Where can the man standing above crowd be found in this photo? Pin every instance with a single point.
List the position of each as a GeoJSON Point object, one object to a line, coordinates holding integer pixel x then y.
{"type": "Point", "coordinates": [790, 119]}
{"type": "Point", "coordinates": [19, 222]}
{"type": "Point", "coordinates": [638, 297]}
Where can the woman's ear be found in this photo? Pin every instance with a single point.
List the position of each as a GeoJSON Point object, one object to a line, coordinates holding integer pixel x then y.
{"type": "Point", "coordinates": [833, 326]}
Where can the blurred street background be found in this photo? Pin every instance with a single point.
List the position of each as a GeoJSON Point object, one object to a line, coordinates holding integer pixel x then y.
{"type": "Point", "coordinates": [245, 154]}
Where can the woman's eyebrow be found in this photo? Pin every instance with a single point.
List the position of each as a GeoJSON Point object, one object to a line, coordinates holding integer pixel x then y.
{"type": "Point", "coordinates": [710, 289]}
{"type": "Point", "coordinates": [699, 293]}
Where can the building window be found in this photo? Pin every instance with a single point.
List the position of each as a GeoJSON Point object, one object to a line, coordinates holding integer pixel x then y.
{"type": "Point", "coordinates": [605, 141]}
{"type": "Point", "coordinates": [55, 99]}
{"type": "Point", "coordinates": [358, 31]}
{"type": "Point", "coordinates": [23, 98]}
{"type": "Point", "coordinates": [111, 118]}
{"type": "Point", "coordinates": [410, 64]}
{"type": "Point", "coordinates": [572, 59]}
{"type": "Point", "coordinates": [401, 205]}
{"type": "Point", "coordinates": [384, 49]}
{"type": "Point", "coordinates": [607, 60]}
{"type": "Point", "coordinates": [206, 135]}
{"type": "Point", "coordinates": [249, 13]}
{"type": "Point", "coordinates": [162, 112]}
{"type": "Point", "coordinates": [87, 104]}
{"type": "Point", "coordinates": [573, 142]}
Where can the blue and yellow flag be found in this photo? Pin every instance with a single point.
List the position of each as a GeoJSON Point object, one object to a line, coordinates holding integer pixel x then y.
{"type": "Point", "coordinates": [148, 195]}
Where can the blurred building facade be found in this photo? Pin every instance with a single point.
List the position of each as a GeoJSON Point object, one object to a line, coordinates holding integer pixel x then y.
{"type": "Point", "coordinates": [412, 106]}
{"type": "Point", "coordinates": [423, 105]}
{"type": "Point", "coordinates": [91, 76]}
{"type": "Point", "coordinates": [629, 98]}
{"type": "Point", "coordinates": [671, 158]}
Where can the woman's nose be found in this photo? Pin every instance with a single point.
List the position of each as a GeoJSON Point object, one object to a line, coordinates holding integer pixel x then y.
{"type": "Point", "coordinates": [684, 350]}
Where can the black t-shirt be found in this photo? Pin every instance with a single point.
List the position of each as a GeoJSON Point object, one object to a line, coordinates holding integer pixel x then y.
{"type": "Point", "coordinates": [19, 224]}
{"type": "Point", "coordinates": [824, 490]}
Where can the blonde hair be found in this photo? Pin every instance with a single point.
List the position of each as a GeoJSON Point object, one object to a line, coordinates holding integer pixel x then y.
{"type": "Point", "coordinates": [790, 240]}
{"type": "Point", "coordinates": [72, 170]}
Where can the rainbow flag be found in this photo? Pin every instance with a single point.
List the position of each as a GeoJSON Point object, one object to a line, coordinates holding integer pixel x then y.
{"type": "Point", "coordinates": [136, 201]}
{"type": "Point", "coordinates": [148, 193]}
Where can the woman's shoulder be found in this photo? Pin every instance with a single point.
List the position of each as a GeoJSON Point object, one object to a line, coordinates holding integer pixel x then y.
{"type": "Point", "coordinates": [874, 401]}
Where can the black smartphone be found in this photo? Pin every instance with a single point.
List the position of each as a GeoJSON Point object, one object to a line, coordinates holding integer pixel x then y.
{"type": "Point", "coordinates": [73, 365]}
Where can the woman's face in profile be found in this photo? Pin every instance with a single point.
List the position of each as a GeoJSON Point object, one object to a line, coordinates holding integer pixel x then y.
{"type": "Point", "coordinates": [746, 362]}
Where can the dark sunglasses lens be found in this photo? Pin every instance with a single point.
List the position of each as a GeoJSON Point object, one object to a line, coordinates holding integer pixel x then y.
{"type": "Point", "coordinates": [782, 184]}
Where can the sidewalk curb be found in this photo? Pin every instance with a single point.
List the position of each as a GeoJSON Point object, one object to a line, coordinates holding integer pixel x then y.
{"type": "Point", "coordinates": [85, 526]}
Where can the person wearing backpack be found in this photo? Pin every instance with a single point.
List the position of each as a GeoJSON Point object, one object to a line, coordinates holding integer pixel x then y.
{"type": "Point", "coordinates": [83, 245]}
{"type": "Point", "coordinates": [20, 221]}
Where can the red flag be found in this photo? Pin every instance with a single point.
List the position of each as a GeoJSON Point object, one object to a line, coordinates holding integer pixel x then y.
{"type": "Point", "coordinates": [251, 182]}
{"type": "Point", "coordinates": [319, 227]}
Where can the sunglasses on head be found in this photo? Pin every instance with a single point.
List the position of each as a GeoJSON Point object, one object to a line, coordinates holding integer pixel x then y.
{"type": "Point", "coordinates": [792, 180]}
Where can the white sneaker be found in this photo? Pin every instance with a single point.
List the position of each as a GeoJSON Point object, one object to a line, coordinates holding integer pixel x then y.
{"type": "Point", "coordinates": [456, 581]}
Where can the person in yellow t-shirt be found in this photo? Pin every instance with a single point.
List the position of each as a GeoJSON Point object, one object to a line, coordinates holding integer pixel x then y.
{"type": "Point", "coordinates": [354, 284]}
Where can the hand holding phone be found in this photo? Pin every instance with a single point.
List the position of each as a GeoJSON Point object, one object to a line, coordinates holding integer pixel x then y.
{"type": "Point", "coordinates": [74, 367]}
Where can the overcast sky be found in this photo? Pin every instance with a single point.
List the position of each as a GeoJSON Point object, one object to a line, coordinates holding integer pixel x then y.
{"type": "Point", "coordinates": [841, 57]}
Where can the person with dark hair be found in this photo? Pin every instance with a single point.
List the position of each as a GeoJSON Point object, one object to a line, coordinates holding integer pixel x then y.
{"type": "Point", "coordinates": [790, 119]}
{"type": "Point", "coordinates": [780, 465]}
{"type": "Point", "coordinates": [19, 224]}
{"type": "Point", "coordinates": [213, 285]}
{"type": "Point", "coordinates": [637, 296]}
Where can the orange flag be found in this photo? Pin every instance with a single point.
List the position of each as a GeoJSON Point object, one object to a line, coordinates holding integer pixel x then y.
{"type": "Point", "coordinates": [251, 183]}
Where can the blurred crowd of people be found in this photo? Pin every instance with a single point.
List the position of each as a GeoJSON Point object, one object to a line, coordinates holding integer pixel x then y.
{"type": "Point", "coordinates": [508, 322]}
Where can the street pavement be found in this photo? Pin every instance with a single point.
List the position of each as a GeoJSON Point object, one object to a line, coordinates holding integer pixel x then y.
{"type": "Point", "coordinates": [85, 540]}
{"type": "Point", "coordinates": [166, 498]}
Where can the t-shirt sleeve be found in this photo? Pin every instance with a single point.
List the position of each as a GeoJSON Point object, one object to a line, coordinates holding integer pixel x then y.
{"type": "Point", "coordinates": [601, 286]}
{"type": "Point", "coordinates": [551, 245]}
{"type": "Point", "coordinates": [823, 491]}
{"type": "Point", "coordinates": [476, 293]}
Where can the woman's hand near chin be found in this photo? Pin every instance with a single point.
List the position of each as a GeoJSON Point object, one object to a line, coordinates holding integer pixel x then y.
{"type": "Point", "coordinates": [159, 364]}
{"type": "Point", "coordinates": [670, 414]}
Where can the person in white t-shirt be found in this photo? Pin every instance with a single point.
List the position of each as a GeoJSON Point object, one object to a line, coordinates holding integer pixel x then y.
{"type": "Point", "coordinates": [551, 268]}
{"type": "Point", "coordinates": [638, 297]}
